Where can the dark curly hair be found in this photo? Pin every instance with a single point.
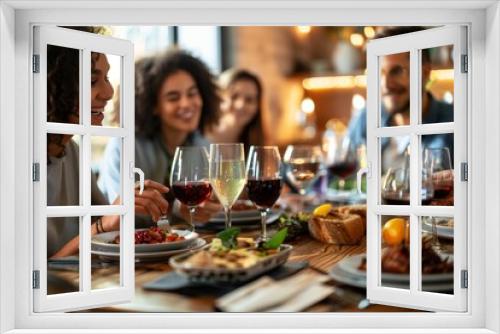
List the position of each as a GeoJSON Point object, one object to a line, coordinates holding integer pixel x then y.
{"type": "Point", "coordinates": [63, 82]}
{"type": "Point", "coordinates": [252, 133]}
{"type": "Point", "coordinates": [150, 74]}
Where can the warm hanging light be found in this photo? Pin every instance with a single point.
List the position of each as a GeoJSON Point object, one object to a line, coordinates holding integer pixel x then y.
{"type": "Point", "coordinates": [357, 39]}
{"type": "Point", "coordinates": [307, 105]}
{"type": "Point", "coordinates": [303, 30]}
{"type": "Point", "coordinates": [369, 32]}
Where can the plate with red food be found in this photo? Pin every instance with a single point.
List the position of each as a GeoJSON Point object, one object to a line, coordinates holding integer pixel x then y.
{"type": "Point", "coordinates": [153, 239]}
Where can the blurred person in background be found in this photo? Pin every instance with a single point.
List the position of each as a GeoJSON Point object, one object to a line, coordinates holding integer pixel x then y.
{"type": "Point", "coordinates": [241, 119]}
{"type": "Point", "coordinates": [63, 151]}
{"type": "Point", "coordinates": [175, 99]}
{"type": "Point", "coordinates": [395, 97]}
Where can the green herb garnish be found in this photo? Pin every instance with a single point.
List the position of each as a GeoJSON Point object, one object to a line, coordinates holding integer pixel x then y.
{"type": "Point", "coordinates": [228, 237]}
{"type": "Point", "coordinates": [276, 240]}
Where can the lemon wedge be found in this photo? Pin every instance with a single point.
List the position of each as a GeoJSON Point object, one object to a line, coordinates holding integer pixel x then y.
{"type": "Point", "coordinates": [322, 210]}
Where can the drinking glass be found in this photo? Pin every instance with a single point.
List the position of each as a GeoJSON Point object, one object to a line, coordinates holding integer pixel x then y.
{"type": "Point", "coordinates": [227, 174]}
{"type": "Point", "coordinates": [303, 164]}
{"type": "Point", "coordinates": [396, 186]}
{"type": "Point", "coordinates": [263, 180]}
{"type": "Point", "coordinates": [344, 161]}
{"type": "Point", "coordinates": [189, 177]}
{"type": "Point", "coordinates": [439, 160]}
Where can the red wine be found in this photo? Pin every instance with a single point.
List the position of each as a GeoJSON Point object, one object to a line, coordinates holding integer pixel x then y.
{"type": "Point", "coordinates": [401, 201]}
{"type": "Point", "coordinates": [443, 192]}
{"type": "Point", "coordinates": [192, 193]}
{"type": "Point", "coordinates": [264, 193]}
{"type": "Point", "coordinates": [342, 169]}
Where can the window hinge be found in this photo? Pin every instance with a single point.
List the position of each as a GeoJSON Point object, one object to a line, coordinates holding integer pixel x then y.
{"type": "Point", "coordinates": [36, 172]}
{"type": "Point", "coordinates": [36, 63]}
{"type": "Point", "coordinates": [36, 279]}
{"type": "Point", "coordinates": [465, 279]}
{"type": "Point", "coordinates": [464, 171]}
{"type": "Point", "coordinates": [465, 66]}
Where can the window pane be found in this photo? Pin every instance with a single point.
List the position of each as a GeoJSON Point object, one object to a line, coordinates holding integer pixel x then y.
{"type": "Point", "coordinates": [395, 251]}
{"type": "Point", "coordinates": [437, 254]}
{"type": "Point", "coordinates": [395, 89]}
{"type": "Point", "coordinates": [105, 257]}
{"type": "Point", "coordinates": [63, 170]}
{"type": "Point", "coordinates": [105, 82]}
{"type": "Point", "coordinates": [437, 169]}
{"type": "Point", "coordinates": [395, 171]}
{"type": "Point", "coordinates": [437, 84]}
{"type": "Point", "coordinates": [63, 84]}
{"type": "Point", "coordinates": [62, 267]}
{"type": "Point", "coordinates": [106, 170]}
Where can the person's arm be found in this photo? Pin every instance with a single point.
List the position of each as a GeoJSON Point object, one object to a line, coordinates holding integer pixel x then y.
{"type": "Point", "coordinates": [109, 178]}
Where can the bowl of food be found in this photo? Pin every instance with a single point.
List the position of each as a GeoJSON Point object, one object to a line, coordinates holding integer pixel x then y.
{"type": "Point", "coordinates": [232, 260]}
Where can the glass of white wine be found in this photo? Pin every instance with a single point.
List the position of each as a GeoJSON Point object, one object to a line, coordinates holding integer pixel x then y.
{"type": "Point", "coordinates": [227, 174]}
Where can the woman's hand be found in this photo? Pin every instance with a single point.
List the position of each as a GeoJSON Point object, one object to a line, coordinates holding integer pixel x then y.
{"type": "Point", "coordinates": [151, 203]}
{"type": "Point", "coordinates": [203, 212]}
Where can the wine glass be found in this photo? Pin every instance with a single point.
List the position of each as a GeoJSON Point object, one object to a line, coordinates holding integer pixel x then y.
{"type": "Point", "coordinates": [263, 180]}
{"type": "Point", "coordinates": [189, 177]}
{"type": "Point", "coordinates": [227, 174]}
{"type": "Point", "coordinates": [396, 186]}
{"type": "Point", "coordinates": [344, 161]}
{"type": "Point", "coordinates": [439, 160]}
{"type": "Point", "coordinates": [303, 164]}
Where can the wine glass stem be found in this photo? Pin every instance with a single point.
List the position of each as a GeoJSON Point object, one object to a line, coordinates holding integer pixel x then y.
{"type": "Point", "coordinates": [341, 184]}
{"type": "Point", "coordinates": [192, 209]}
{"type": "Point", "coordinates": [263, 221]}
{"type": "Point", "coordinates": [227, 211]}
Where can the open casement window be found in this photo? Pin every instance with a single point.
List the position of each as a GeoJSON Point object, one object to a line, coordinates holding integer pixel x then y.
{"type": "Point", "coordinates": [71, 90]}
{"type": "Point", "coordinates": [418, 170]}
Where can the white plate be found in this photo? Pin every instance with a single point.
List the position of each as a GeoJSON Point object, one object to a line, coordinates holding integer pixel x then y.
{"type": "Point", "coordinates": [344, 277]}
{"type": "Point", "coordinates": [334, 195]}
{"type": "Point", "coordinates": [103, 242]}
{"type": "Point", "coordinates": [246, 216]}
{"type": "Point", "coordinates": [197, 243]}
{"type": "Point", "coordinates": [350, 265]}
{"type": "Point", "coordinates": [441, 230]}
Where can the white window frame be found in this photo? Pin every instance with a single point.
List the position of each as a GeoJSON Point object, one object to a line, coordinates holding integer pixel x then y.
{"type": "Point", "coordinates": [412, 43]}
{"type": "Point", "coordinates": [86, 297]}
{"type": "Point", "coordinates": [17, 17]}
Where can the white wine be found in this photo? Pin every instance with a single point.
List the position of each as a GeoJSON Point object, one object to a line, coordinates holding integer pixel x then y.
{"type": "Point", "coordinates": [228, 180]}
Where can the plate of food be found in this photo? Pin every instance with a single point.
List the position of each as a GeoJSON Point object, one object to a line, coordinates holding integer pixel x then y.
{"type": "Point", "coordinates": [149, 256]}
{"type": "Point", "coordinates": [153, 239]}
{"type": "Point", "coordinates": [229, 259]}
{"type": "Point", "coordinates": [444, 226]}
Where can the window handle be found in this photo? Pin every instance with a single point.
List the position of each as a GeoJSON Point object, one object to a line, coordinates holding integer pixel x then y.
{"type": "Point", "coordinates": [367, 171]}
{"type": "Point", "coordinates": [141, 179]}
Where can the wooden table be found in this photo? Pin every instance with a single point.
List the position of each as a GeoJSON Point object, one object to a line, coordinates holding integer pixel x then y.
{"type": "Point", "coordinates": [322, 257]}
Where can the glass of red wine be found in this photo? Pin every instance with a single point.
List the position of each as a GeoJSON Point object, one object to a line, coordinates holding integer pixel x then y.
{"type": "Point", "coordinates": [189, 177]}
{"type": "Point", "coordinates": [263, 180]}
{"type": "Point", "coordinates": [439, 160]}
{"type": "Point", "coordinates": [343, 162]}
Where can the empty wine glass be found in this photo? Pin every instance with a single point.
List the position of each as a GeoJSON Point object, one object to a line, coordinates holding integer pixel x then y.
{"type": "Point", "coordinates": [227, 174]}
{"type": "Point", "coordinates": [263, 180]}
{"type": "Point", "coordinates": [189, 177]}
{"type": "Point", "coordinates": [303, 164]}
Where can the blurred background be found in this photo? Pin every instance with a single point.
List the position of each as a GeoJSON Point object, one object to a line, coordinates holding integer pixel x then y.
{"type": "Point", "coordinates": [314, 77]}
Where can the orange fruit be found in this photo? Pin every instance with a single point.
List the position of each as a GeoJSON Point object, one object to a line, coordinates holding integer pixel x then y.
{"type": "Point", "coordinates": [394, 231]}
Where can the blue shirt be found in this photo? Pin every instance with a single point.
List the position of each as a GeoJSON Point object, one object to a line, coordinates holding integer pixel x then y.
{"type": "Point", "coordinates": [439, 112]}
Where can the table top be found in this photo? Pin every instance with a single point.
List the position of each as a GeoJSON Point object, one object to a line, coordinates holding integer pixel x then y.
{"type": "Point", "coordinates": [320, 256]}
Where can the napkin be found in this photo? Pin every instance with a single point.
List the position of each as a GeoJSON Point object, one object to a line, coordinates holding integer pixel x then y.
{"type": "Point", "coordinates": [266, 294]}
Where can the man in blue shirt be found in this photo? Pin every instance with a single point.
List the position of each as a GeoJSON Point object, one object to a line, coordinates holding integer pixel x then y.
{"type": "Point", "coordinates": [395, 95]}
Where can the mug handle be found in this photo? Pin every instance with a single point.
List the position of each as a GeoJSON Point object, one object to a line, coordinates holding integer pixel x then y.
{"type": "Point", "coordinates": [141, 179]}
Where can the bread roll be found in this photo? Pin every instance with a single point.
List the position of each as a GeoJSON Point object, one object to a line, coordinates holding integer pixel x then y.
{"type": "Point", "coordinates": [337, 228]}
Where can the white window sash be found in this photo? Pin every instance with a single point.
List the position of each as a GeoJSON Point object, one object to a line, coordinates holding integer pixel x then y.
{"type": "Point", "coordinates": [413, 298]}
{"type": "Point", "coordinates": [86, 297]}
